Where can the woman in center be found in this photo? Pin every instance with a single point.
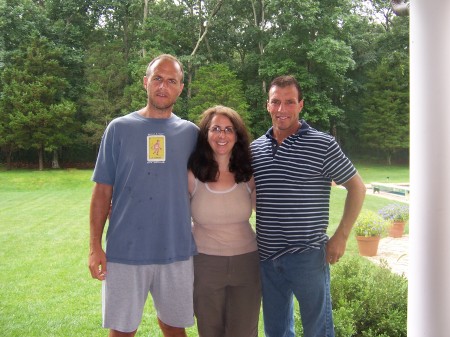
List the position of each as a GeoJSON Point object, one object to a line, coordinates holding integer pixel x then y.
{"type": "Point", "coordinates": [227, 289]}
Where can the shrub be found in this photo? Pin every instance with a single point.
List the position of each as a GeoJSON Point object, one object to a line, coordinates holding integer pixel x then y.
{"type": "Point", "coordinates": [368, 300]}
{"type": "Point", "coordinates": [395, 212]}
{"type": "Point", "coordinates": [369, 223]}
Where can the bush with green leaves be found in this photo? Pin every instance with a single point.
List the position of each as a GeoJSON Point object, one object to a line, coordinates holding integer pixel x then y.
{"type": "Point", "coordinates": [369, 223]}
{"type": "Point", "coordinates": [395, 212]}
{"type": "Point", "coordinates": [368, 300]}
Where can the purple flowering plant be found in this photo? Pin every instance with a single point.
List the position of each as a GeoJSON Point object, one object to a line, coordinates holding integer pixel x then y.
{"type": "Point", "coordinates": [395, 212]}
{"type": "Point", "coordinates": [370, 223]}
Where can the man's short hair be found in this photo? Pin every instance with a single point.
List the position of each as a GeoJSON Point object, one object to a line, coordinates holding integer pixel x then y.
{"type": "Point", "coordinates": [166, 57]}
{"type": "Point", "coordinates": [286, 81]}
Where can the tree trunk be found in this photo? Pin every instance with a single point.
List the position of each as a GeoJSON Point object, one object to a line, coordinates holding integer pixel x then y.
{"type": "Point", "coordinates": [55, 161]}
{"type": "Point", "coordinates": [144, 20]}
{"type": "Point", "coordinates": [206, 25]}
{"type": "Point", "coordinates": [259, 25]}
{"type": "Point", "coordinates": [202, 34]}
{"type": "Point", "coordinates": [41, 158]}
{"type": "Point", "coordinates": [9, 151]}
{"type": "Point", "coordinates": [189, 73]}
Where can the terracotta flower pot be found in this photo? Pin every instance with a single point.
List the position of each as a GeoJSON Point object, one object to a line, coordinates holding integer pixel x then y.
{"type": "Point", "coordinates": [396, 229]}
{"type": "Point", "coordinates": [368, 246]}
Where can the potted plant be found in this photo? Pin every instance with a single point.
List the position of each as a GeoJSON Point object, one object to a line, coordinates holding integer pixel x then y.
{"type": "Point", "coordinates": [397, 214]}
{"type": "Point", "coordinates": [368, 230]}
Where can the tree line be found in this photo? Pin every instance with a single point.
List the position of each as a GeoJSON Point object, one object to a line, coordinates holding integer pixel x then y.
{"type": "Point", "coordinates": [68, 67]}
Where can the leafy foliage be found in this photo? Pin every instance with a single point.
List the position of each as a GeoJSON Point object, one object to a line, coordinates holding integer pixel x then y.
{"type": "Point", "coordinates": [107, 75]}
{"type": "Point", "coordinates": [39, 116]}
{"type": "Point", "coordinates": [216, 85]}
{"type": "Point", "coordinates": [367, 300]}
{"type": "Point", "coordinates": [386, 116]}
{"type": "Point", "coordinates": [353, 68]}
{"type": "Point", "coordinates": [369, 223]}
{"type": "Point", "coordinates": [395, 212]}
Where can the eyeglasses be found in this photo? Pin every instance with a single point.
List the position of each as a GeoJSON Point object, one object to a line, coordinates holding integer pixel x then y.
{"type": "Point", "coordinates": [217, 130]}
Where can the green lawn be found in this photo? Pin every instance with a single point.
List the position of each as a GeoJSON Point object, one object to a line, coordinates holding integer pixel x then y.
{"type": "Point", "coordinates": [45, 286]}
{"type": "Point", "coordinates": [383, 174]}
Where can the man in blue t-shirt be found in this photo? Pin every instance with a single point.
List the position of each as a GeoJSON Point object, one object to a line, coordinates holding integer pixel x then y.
{"type": "Point", "coordinates": [294, 166]}
{"type": "Point", "coordinates": [141, 172]}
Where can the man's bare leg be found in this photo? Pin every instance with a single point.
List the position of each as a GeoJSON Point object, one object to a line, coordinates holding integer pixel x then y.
{"type": "Point", "coordinates": [115, 333]}
{"type": "Point", "coordinates": [171, 331]}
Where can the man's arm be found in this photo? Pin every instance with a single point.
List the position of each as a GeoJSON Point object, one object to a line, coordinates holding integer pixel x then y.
{"type": "Point", "coordinates": [100, 206]}
{"type": "Point", "coordinates": [356, 192]}
{"type": "Point", "coordinates": [251, 184]}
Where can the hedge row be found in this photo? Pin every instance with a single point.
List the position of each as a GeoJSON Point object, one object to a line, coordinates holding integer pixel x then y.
{"type": "Point", "coordinates": [368, 300]}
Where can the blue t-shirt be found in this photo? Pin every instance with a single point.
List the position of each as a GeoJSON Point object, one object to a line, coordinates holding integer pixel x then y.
{"type": "Point", "coordinates": [145, 160]}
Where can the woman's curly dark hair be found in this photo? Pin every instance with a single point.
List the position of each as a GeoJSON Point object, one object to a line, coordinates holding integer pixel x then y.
{"type": "Point", "coordinates": [202, 162]}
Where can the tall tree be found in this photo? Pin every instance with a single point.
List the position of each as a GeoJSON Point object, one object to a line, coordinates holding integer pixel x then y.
{"type": "Point", "coordinates": [386, 100]}
{"type": "Point", "coordinates": [306, 42]}
{"type": "Point", "coordinates": [19, 21]}
{"type": "Point", "coordinates": [386, 115]}
{"type": "Point", "coordinates": [216, 85]}
{"type": "Point", "coordinates": [205, 16]}
{"type": "Point", "coordinates": [34, 88]}
{"type": "Point", "coordinates": [107, 75]}
{"type": "Point", "coordinates": [375, 45]}
{"type": "Point", "coordinates": [72, 23]}
{"type": "Point", "coordinates": [334, 48]}
{"type": "Point", "coordinates": [361, 35]}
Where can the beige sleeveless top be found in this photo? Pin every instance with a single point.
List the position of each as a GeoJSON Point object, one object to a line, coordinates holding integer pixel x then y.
{"type": "Point", "coordinates": [221, 220]}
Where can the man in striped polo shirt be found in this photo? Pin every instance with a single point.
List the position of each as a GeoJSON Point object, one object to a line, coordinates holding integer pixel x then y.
{"type": "Point", "coordinates": [294, 166]}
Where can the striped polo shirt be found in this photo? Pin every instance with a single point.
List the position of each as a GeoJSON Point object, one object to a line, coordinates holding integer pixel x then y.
{"type": "Point", "coordinates": [293, 183]}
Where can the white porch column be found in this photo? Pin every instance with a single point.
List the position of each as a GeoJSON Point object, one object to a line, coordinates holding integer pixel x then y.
{"type": "Point", "coordinates": [429, 245]}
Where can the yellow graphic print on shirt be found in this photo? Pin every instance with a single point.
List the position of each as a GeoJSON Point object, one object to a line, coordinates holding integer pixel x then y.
{"type": "Point", "coordinates": [156, 148]}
